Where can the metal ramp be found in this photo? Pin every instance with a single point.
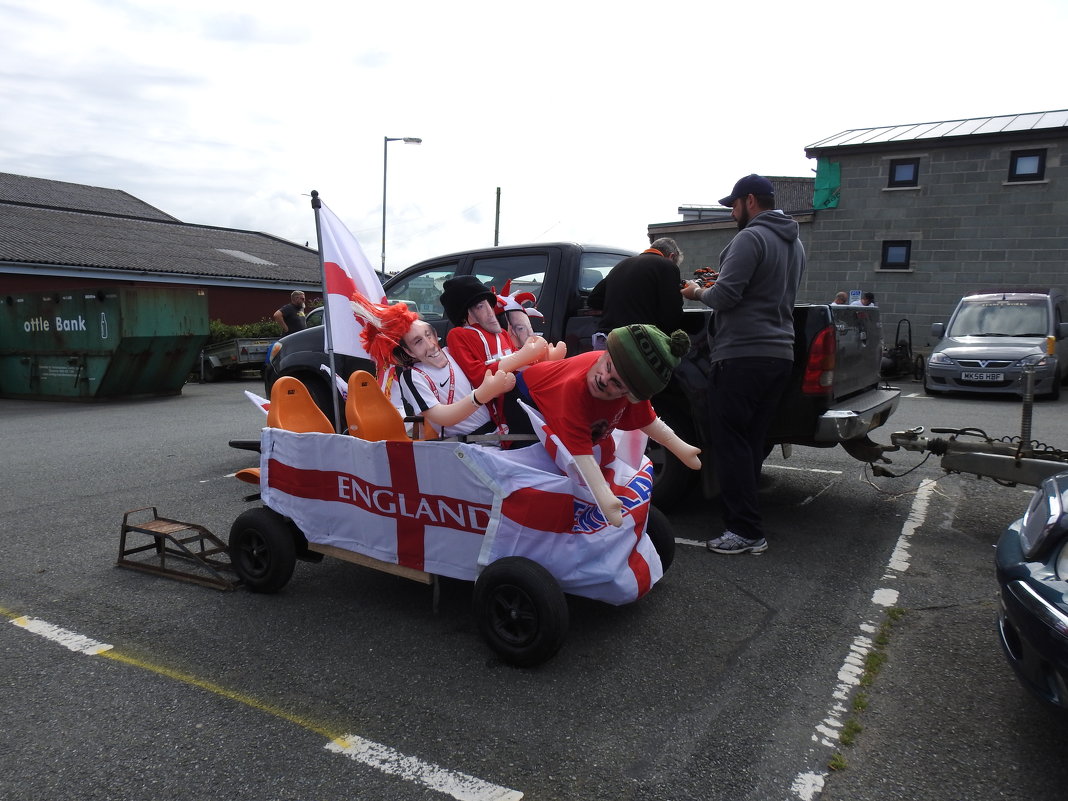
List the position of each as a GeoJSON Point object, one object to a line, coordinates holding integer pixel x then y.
{"type": "Point", "coordinates": [193, 547]}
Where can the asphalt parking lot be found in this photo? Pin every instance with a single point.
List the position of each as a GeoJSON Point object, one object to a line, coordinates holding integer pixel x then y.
{"type": "Point", "coordinates": [723, 683]}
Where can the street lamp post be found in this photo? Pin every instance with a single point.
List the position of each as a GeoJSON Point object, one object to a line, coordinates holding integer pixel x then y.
{"type": "Point", "coordinates": [408, 140]}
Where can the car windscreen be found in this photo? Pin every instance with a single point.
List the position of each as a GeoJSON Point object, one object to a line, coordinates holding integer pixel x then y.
{"type": "Point", "coordinates": [1000, 318]}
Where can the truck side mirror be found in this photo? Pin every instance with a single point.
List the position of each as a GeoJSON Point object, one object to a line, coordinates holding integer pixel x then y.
{"type": "Point", "coordinates": [938, 330]}
{"type": "Point", "coordinates": [1062, 331]}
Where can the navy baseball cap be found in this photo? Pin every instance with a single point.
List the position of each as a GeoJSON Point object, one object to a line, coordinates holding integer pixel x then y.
{"type": "Point", "coordinates": [750, 185]}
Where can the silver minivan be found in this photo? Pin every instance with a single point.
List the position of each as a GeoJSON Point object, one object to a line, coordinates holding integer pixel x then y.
{"type": "Point", "coordinates": [991, 338]}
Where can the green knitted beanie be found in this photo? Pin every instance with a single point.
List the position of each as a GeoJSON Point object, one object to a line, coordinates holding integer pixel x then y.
{"type": "Point", "coordinates": [645, 357]}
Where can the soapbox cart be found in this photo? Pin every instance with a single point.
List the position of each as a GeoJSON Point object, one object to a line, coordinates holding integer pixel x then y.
{"type": "Point", "coordinates": [519, 523]}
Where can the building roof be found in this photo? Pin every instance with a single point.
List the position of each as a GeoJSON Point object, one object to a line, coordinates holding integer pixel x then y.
{"type": "Point", "coordinates": [51, 223]}
{"type": "Point", "coordinates": [24, 190]}
{"type": "Point", "coordinates": [1009, 124]}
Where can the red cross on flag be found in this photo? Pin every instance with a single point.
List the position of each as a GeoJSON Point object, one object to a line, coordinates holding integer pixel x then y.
{"type": "Point", "coordinates": [450, 508]}
{"type": "Point", "coordinates": [345, 270]}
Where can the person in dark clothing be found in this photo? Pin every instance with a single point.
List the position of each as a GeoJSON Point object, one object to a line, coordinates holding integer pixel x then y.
{"type": "Point", "coordinates": [290, 317]}
{"type": "Point", "coordinates": [642, 289]}
{"type": "Point", "coordinates": [751, 334]}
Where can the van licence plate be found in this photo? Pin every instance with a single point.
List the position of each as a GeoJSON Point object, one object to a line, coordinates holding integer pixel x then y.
{"type": "Point", "coordinates": [982, 376]}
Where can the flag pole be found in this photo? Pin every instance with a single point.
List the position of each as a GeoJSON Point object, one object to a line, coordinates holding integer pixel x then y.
{"type": "Point", "coordinates": [316, 204]}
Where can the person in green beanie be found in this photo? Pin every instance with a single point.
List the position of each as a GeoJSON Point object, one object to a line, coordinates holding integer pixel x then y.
{"type": "Point", "coordinates": [585, 397]}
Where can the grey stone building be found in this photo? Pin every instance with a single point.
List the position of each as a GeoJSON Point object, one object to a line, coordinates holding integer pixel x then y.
{"type": "Point", "coordinates": [920, 214]}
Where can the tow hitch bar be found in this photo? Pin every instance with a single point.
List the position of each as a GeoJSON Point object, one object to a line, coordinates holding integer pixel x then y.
{"type": "Point", "coordinates": [1011, 461]}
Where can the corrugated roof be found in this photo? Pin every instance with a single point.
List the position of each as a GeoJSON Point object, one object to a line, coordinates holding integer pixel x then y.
{"type": "Point", "coordinates": [108, 229]}
{"type": "Point", "coordinates": [76, 197]}
{"type": "Point", "coordinates": [49, 236]}
{"type": "Point", "coordinates": [977, 126]}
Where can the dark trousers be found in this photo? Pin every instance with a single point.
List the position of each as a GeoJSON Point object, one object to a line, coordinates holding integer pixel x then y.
{"type": "Point", "coordinates": [743, 396]}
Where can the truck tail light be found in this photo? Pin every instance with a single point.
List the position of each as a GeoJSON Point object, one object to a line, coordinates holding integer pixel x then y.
{"type": "Point", "coordinates": [819, 370]}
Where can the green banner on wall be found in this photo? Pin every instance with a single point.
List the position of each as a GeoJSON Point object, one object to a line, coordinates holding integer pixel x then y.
{"type": "Point", "coordinates": [828, 184]}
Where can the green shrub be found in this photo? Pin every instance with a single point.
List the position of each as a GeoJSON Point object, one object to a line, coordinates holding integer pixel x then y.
{"type": "Point", "coordinates": [221, 332]}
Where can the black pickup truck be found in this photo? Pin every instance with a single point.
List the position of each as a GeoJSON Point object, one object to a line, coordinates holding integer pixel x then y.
{"type": "Point", "coordinates": [835, 396]}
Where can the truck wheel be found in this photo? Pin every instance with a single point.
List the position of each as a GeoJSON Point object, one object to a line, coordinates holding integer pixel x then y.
{"type": "Point", "coordinates": [262, 549]}
{"type": "Point", "coordinates": [661, 533]}
{"type": "Point", "coordinates": [521, 611]}
{"type": "Point", "coordinates": [672, 480]}
{"type": "Point", "coordinates": [919, 365]}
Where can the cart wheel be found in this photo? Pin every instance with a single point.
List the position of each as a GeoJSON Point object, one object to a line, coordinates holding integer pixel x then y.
{"type": "Point", "coordinates": [262, 550]}
{"type": "Point", "coordinates": [663, 536]}
{"type": "Point", "coordinates": [521, 610]}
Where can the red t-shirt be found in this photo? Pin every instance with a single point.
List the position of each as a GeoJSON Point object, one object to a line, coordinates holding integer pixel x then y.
{"type": "Point", "coordinates": [579, 419]}
{"type": "Point", "coordinates": [471, 346]}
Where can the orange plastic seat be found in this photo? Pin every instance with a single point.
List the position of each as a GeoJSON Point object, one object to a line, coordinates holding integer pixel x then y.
{"type": "Point", "coordinates": [293, 409]}
{"type": "Point", "coordinates": [369, 413]}
{"type": "Point", "coordinates": [250, 475]}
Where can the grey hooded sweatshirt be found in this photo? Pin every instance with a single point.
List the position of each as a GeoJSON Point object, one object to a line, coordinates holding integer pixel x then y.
{"type": "Point", "coordinates": [753, 298]}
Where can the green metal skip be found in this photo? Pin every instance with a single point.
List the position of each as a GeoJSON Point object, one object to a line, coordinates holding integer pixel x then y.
{"type": "Point", "coordinates": [100, 343]}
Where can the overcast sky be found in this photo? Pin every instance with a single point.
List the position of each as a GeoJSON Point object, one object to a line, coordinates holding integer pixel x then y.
{"type": "Point", "coordinates": [594, 118]}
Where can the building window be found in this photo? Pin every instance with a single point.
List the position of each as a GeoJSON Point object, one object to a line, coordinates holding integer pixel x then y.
{"type": "Point", "coordinates": [904, 172]}
{"type": "Point", "coordinates": [896, 254]}
{"type": "Point", "coordinates": [1027, 165]}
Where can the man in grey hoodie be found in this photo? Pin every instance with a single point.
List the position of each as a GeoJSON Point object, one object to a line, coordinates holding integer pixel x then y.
{"type": "Point", "coordinates": [751, 334]}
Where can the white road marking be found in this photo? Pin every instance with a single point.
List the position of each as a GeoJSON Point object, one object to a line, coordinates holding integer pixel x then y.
{"type": "Point", "coordinates": [68, 639]}
{"type": "Point", "coordinates": [801, 469]}
{"type": "Point", "coordinates": [460, 786]}
{"type": "Point", "coordinates": [807, 785]}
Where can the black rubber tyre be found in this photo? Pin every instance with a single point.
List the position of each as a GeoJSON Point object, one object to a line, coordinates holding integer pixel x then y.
{"type": "Point", "coordinates": [672, 480]}
{"type": "Point", "coordinates": [262, 549]}
{"type": "Point", "coordinates": [211, 373]}
{"type": "Point", "coordinates": [521, 611]}
{"type": "Point", "coordinates": [662, 534]}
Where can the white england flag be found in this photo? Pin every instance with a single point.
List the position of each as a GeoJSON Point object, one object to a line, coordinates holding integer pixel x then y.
{"type": "Point", "coordinates": [450, 508]}
{"type": "Point", "coordinates": [345, 269]}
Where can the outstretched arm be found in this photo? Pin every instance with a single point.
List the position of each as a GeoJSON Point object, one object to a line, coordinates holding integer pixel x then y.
{"type": "Point", "coordinates": [535, 349]}
{"type": "Point", "coordinates": [450, 414]}
{"type": "Point", "coordinates": [611, 506]}
{"type": "Point", "coordinates": [658, 431]}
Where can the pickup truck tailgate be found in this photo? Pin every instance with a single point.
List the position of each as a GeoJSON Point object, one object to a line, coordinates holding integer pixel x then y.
{"type": "Point", "coordinates": [858, 358]}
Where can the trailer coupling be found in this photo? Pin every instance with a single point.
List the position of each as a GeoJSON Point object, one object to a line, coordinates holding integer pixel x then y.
{"type": "Point", "coordinates": [970, 450]}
